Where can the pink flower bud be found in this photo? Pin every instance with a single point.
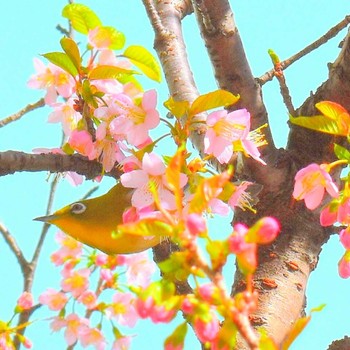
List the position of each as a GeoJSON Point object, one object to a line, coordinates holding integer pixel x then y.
{"type": "Point", "coordinates": [25, 302]}
{"type": "Point", "coordinates": [264, 231]}
{"type": "Point", "coordinates": [196, 224]}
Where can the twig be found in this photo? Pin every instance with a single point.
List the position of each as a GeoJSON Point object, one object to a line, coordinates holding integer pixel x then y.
{"type": "Point", "coordinates": [30, 107]}
{"type": "Point", "coordinates": [287, 99]}
{"type": "Point", "coordinates": [90, 192]}
{"type": "Point", "coordinates": [10, 240]}
{"type": "Point", "coordinates": [322, 40]}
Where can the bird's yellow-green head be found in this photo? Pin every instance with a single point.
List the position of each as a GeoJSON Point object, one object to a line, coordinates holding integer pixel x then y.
{"type": "Point", "coordinates": [95, 222]}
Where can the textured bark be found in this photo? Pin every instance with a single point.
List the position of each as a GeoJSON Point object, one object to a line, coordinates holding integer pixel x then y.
{"type": "Point", "coordinates": [14, 161]}
{"type": "Point", "coordinates": [285, 266]}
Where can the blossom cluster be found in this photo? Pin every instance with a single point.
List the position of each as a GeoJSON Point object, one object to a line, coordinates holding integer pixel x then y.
{"type": "Point", "coordinates": [106, 116]}
{"type": "Point", "coordinates": [313, 181]}
{"type": "Point", "coordinates": [95, 284]}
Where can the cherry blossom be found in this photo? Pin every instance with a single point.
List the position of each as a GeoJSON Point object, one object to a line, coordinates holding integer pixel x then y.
{"type": "Point", "coordinates": [153, 169]}
{"type": "Point", "coordinates": [311, 183]}
{"type": "Point", "coordinates": [229, 132]}
{"type": "Point", "coordinates": [53, 79]}
{"type": "Point", "coordinates": [56, 301]}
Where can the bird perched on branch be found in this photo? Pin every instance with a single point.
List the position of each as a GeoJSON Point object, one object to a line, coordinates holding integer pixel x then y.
{"type": "Point", "coordinates": [94, 222]}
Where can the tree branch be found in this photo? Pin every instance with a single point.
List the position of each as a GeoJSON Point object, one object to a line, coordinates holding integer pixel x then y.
{"type": "Point", "coordinates": [13, 161]}
{"type": "Point", "coordinates": [165, 17]}
{"type": "Point", "coordinates": [30, 107]}
{"type": "Point", "coordinates": [10, 240]}
{"type": "Point", "coordinates": [316, 44]}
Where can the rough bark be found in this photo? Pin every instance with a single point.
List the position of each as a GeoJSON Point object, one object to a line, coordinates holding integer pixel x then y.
{"type": "Point", "coordinates": [285, 266]}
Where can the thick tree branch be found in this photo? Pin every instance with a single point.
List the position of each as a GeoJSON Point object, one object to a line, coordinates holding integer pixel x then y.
{"type": "Point", "coordinates": [316, 44]}
{"type": "Point", "coordinates": [165, 17]}
{"type": "Point", "coordinates": [13, 161]}
{"type": "Point", "coordinates": [30, 107]}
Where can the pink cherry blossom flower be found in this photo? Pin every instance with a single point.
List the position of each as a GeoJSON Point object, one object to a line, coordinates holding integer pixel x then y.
{"type": "Point", "coordinates": [153, 169]}
{"type": "Point", "coordinates": [76, 281]}
{"type": "Point", "coordinates": [92, 336]}
{"type": "Point", "coordinates": [207, 330]}
{"type": "Point", "coordinates": [70, 249]}
{"type": "Point", "coordinates": [311, 183]}
{"type": "Point", "coordinates": [122, 343]}
{"type": "Point", "coordinates": [240, 197]}
{"type": "Point", "coordinates": [123, 309]}
{"type": "Point", "coordinates": [207, 292]}
{"type": "Point", "coordinates": [107, 150]}
{"type": "Point", "coordinates": [81, 141]}
{"type": "Point", "coordinates": [56, 301]}
{"type": "Point", "coordinates": [99, 38]}
{"type": "Point", "coordinates": [336, 211]}
{"type": "Point", "coordinates": [139, 269]}
{"type": "Point", "coordinates": [65, 113]}
{"type": "Point", "coordinates": [136, 121]}
{"type": "Point", "coordinates": [25, 302]}
{"type": "Point", "coordinates": [89, 299]}
{"type": "Point", "coordinates": [53, 79]}
{"type": "Point", "coordinates": [27, 343]}
{"type": "Point", "coordinates": [73, 325]}
{"type": "Point", "coordinates": [344, 265]}
{"type": "Point", "coordinates": [228, 132]}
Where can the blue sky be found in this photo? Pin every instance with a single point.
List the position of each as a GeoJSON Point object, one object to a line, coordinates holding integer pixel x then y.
{"type": "Point", "coordinates": [28, 29]}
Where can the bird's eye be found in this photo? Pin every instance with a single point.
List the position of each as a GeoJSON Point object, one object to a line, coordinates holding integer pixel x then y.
{"type": "Point", "coordinates": [77, 208]}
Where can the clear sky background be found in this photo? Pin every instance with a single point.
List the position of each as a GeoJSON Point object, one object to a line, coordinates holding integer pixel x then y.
{"type": "Point", "coordinates": [28, 29]}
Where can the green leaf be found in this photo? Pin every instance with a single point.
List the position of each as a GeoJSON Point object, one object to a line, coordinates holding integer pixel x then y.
{"type": "Point", "coordinates": [298, 327]}
{"type": "Point", "coordinates": [108, 37]}
{"type": "Point", "coordinates": [175, 268]}
{"type": "Point", "coordinates": [177, 108]}
{"type": "Point", "coordinates": [63, 61]}
{"type": "Point", "coordinates": [70, 47]}
{"type": "Point", "coordinates": [177, 338]}
{"type": "Point", "coordinates": [341, 152]}
{"type": "Point", "coordinates": [81, 17]}
{"type": "Point", "coordinates": [88, 94]}
{"type": "Point", "coordinates": [109, 72]}
{"type": "Point", "coordinates": [274, 58]}
{"type": "Point", "coordinates": [218, 251]}
{"type": "Point", "coordinates": [318, 123]}
{"type": "Point", "coordinates": [144, 60]}
{"type": "Point", "coordinates": [218, 98]}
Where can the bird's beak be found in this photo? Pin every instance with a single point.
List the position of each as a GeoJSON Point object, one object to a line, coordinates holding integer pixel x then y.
{"type": "Point", "coordinates": [47, 218]}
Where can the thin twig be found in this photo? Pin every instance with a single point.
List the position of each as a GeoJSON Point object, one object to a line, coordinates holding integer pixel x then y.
{"type": "Point", "coordinates": [287, 99]}
{"type": "Point", "coordinates": [30, 107]}
{"type": "Point", "coordinates": [10, 240]}
{"type": "Point", "coordinates": [316, 44]}
{"type": "Point", "coordinates": [90, 192]}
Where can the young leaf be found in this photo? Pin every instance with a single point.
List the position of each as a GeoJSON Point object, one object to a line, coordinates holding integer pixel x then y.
{"type": "Point", "coordinates": [331, 110]}
{"type": "Point", "coordinates": [81, 17]}
{"type": "Point", "coordinates": [319, 123]}
{"type": "Point", "coordinates": [144, 60]}
{"type": "Point", "coordinates": [70, 47]}
{"type": "Point", "coordinates": [298, 327]}
{"type": "Point", "coordinates": [177, 108]}
{"type": "Point", "coordinates": [109, 37]}
{"type": "Point", "coordinates": [109, 72]}
{"type": "Point", "coordinates": [341, 152]}
{"type": "Point", "coordinates": [63, 61]}
{"type": "Point", "coordinates": [177, 338]}
{"type": "Point", "coordinates": [218, 98]}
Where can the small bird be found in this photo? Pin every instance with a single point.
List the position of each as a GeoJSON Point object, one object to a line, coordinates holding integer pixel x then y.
{"type": "Point", "coordinates": [94, 222]}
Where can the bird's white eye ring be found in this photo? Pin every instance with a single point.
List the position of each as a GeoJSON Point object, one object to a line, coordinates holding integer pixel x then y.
{"type": "Point", "coordinates": [78, 208]}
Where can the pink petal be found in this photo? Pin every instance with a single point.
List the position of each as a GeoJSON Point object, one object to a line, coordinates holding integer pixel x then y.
{"type": "Point", "coordinates": [153, 164]}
